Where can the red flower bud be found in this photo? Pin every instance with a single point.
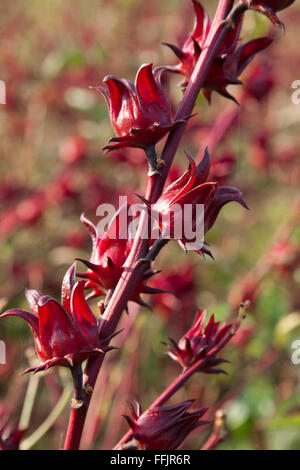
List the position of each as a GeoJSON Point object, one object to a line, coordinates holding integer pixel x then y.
{"type": "Point", "coordinates": [164, 427]}
{"type": "Point", "coordinates": [65, 334]}
{"type": "Point", "coordinates": [201, 342]}
{"type": "Point", "coordinates": [140, 112]}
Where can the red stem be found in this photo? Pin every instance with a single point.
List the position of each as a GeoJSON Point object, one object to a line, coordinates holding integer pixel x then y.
{"type": "Point", "coordinates": [134, 271]}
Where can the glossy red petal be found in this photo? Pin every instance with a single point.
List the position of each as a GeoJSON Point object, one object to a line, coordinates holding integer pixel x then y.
{"type": "Point", "coordinates": [120, 97]}
{"type": "Point", "coordinates": [105, 93]}
{"type": "Point", "coordinates": [244, 54]}
{"type": "Point", "coordinates": [202, 24]}
{"type": "Point", "coordinates": [201, 194]}
{"type": "Point", "coordinates": [30, 319]}
{"type": "Point", "coordinates": [57, 332]}
{"type": "Point", "coordinates": [81, 311]}
{"type": "Point", "coordinates": [183, 184]}
{"type": "Point", "coordinates": [91, 228]}
{"type": "Point", "coordinates": [148, 90]}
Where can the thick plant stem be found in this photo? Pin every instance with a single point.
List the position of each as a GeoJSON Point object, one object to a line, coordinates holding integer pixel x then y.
{"type": "Point", "coordinates": [76, 422]}
{"type": "Point", "coordinates": [132, 274]}
{"type": "Point", "coordinates": [134, 269]}
{"type": "Point", "coordinates": [78, 411]}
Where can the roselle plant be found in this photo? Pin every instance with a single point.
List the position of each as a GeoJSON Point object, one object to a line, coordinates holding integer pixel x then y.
{"type": "Point", "coordinates": [66, 333]}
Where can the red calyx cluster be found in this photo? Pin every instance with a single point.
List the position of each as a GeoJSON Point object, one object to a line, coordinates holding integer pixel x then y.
{"type": "Point", "coordinates": [106, 265]}
{"type": "Point", "coordinates": [201, 342]}
{"type": "Point", "coordinates": [164, 427]}
{"type": "Point", "coordinates": [140, 113]}
{"type": "Point", "coordinates": [228, 64]}
{"type": "Point", "coordinates": [65, 334]}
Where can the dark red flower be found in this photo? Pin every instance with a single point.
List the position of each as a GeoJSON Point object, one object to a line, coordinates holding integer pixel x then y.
{"type": "Point", "coordinates": [164, 427]}
{"type": "Point", "coordinates": [229, 62]}
{"type": "Point", "coordinates": [193, 189]}
{"type": "Point", "coordinates": [65, 334]}
{"type": "Point", "coordinates": [109, 253]}
{"type": "Point", "coordinates": [270, 7]}
{"type": "Point", "coordinates": [201, 342]}
{"type": "Point", "coordinates": [194, 44]}
{"type": "Point", "coordinates": [227, 69]}
{"type": "Point", "coordinates": [140, 112]}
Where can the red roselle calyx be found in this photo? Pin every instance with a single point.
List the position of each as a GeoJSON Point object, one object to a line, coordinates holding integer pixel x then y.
{"type": "Point", "coordinates": [284, 257]}
{"type": "Point", "coordinates": [230, 61]}
{"type": "Point", "coordinates": [65, 334]}
{"type": "Point", "coordinates": [109, 253]}
{"type": "Point", "coordinates": [270, 7]}
{"type": "Point", "coordinates": [199, 343]}
{"type": "Point", "coordinates": [140, 113]}
{"type": "Point", "coordinates": [163, 427]}
{"type": "Point", "coordinates": [193, 189]}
